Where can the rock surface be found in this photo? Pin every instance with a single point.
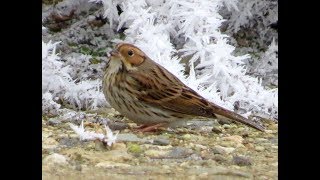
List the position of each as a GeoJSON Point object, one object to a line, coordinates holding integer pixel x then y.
{"type": "Point", "coordinates": [179, 153]}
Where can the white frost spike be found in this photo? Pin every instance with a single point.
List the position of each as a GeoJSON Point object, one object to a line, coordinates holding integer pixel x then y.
{"type": "Point", "coordinates": [109, 138]}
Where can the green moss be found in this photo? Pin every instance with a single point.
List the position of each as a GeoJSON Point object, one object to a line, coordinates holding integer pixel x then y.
{"type": "Point", "coordinates": [134, 148]}
{"type": "Point", "coordinates": [99, 52]}
{"type": "Point", "coordinates": [122, 36]}
{"type": "Point", "coordinates": [85, 50]}
{"type": "Point", "coordinates": [93, 52]}
{"type": "Point", "coordinates": [95, 61]}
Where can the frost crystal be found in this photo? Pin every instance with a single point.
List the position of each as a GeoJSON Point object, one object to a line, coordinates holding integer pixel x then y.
{"type": "Point", "coordinates": [108, 138]}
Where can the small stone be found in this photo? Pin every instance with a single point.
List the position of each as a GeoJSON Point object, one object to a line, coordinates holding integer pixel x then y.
{"type": "Point", "coordinates": [186, 137]}
{"type": "Point", "coordinates": [118, 125]}
{"type": "Point", "coordinates": [195, 157]}
{"type": "Point", "coordinates": [226, 126]}
{"type": "Point", "coordinates": [117, 156]}
{"type": "Point", "coordinates": [166, 167]}
{"type": "Point", "coordinates": [245, 133]}
{"type": "Point", "coordinates": [69, 142]}
{"type": "Point", "coordinates": [249, 146]}
{"type": "Point", "coordinates": [110, 164]}
{"type": "Point", "coordinates": [203, 175]}
{"type": "Point", "coordinates": [259, 148]}
{"type": "Point", "coordinates": [216, 130]}
{"type": "Point", "coordinates": [228, 144]}
{"type": "Point", "coordinates": [268, 131]}
{"type": "Point", "coordinates": [234, 138]}
{"type": "Point", "coordinates": [274, 140]}
{"type": "Point", "coordinates": [53, 122]}
{"type": "Point", "coordinates": [219, 158]}
{"type": "Point", "coordinates": [78, 167]}
{"type": "Point", "coordinates": [274, 147]}
{"type": "Point", "coordinates": [73, 136]}
{"type": "Point", "coordinates": [99, 146]}
{"type": "Point", "coordinates": [261, 140]}
{"type": "Point", "coordinates": [224, 121]}
{"type": "Point", "coordinates": [49, 144]}
{"type": "Point", "coordinates": [128, 137]}
{"type": "Point", "coordinates": [222, 150]}
{"type": "Point", "coordinates": [155, 153]}
{"type": "Point", "coordinates": [180, 152]}
{"type": "Point", "coordinates": [250, 140]}
{"type": "Point", "coordinates": [275, 164]}
{"type": "Point", "coordinates": [119, 146]}
{"type": "Point", "coordinates": [185, 164]}
{"type": "Point", "coordinates": [161, 142]}
{"type": "Point", "coordinates": [241, 161]}
{"type": "Point", "coordinates": [200, 146]}
{"type": "Point", "coordinates": [55, 159]}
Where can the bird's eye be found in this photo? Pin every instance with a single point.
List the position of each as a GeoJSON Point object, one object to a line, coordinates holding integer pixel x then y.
{"type": "Point", "coordinates": [130, 52]}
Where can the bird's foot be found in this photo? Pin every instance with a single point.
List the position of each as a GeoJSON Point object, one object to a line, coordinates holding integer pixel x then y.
{"type": "Point", "coordinates": [149, 128]}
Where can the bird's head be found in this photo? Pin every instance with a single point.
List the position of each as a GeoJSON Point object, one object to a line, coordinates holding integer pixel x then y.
{"type": "Point", "coordinates": [128, 55]}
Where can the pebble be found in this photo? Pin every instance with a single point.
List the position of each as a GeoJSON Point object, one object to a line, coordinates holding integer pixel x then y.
{"type": "Point", "coordinates": [235, 138]}
{"type": "Point", "coordinates": [117, 156]}
{"type": "Point", "coordinates": [161, 142]}
{"type": "Point", "coordinates": [155, 153]}
{"type": "Point", "coordinates": [241, 161]}
{"type": "Point", "coordinates": [186, 136]}
{"type": "Point", "coordinates": [274, 140]}
{"type": "Point", "coordinates": [249, 146]}
{"type": "Point", "coordinates": [224, 121]}
{"type": "Point", "coordinates": [69, 142]}
{"type": "Point", "coordinates": [222, 150]}
{"type": "Point", "coordinates": [49, 144]}
{"type": "Point", "coordinates": [228, 144]}
{"type": "Point", "coordinates": [99, 146]}
{"type": "Point", "coordinates": [110, 164]}
{"type": "Point", "coordinates": [54, 122]}
{"type": "Point", "coordinates": [128, 137]}
{"type": "Point", "coordinates": [261, 140]}
{"type": "Point", "coordinates": [259, 148]}
{"type": "Point", "coordinates": [203, 175]}
{"type": "Point", "coordinates": [226, 126]}
{"type": "Point", "coordinates": [268, 131]}
{"type": "Point", "coordinates": [118, 125]}
{"type": "Point", "coordinates": [216, 130]}
{"type": "Point", "coordinates": [200, 146]}
{"type": "Point", "coordinates": [275, 164]}
{"type": "Point", "coordinates": [219, 158]}
{"type": "Point", "coordinates": [55, 159]}
{"type": "Point", "coordinates": [74, 136]}
{"type": "Point", "coordinates": [179, 152]}
{"type": "Point", "coordinates": [119, 146]}
{"type": "Point", "coordinates": [166, 167]}
{"type": "Point", "coordinates": [251, 140]}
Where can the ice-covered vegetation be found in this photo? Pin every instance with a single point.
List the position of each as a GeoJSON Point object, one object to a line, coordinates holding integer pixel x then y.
{"type": "Point", "coordinates": [185, 37]}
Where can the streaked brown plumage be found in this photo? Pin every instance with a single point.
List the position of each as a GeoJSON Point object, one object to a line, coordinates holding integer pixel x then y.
{"type": "Point", "coordinates": [148, 94]}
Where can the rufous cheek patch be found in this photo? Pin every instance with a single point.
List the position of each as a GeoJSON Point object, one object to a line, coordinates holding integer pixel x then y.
{"type": "Point", "coordinates": [136, 60]}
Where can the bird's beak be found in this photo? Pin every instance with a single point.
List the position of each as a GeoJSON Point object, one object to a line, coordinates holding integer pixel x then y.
{"type": "Point", "coordinates": [114, 53]}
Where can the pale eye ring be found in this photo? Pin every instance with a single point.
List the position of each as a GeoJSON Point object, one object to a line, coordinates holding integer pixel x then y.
{"type": "Point", "coordinates": [130, 53]}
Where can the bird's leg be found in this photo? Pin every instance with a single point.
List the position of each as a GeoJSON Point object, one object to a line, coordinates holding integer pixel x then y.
{"type": "Point", "coordinates": [149, 128]}
{"type": "Point", "coordinates": [141, 127]}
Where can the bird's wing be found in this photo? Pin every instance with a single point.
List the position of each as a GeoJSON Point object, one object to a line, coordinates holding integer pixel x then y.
{"type": "Point", "coordinates": [161, 89]}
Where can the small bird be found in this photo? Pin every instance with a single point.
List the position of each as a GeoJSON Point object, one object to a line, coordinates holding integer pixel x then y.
{"type": "Point", "coordinates": [148, 94]}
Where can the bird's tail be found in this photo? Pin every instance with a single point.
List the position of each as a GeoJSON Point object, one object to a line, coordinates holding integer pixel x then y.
{"type": "Point", "coordinates": [218, 110]}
